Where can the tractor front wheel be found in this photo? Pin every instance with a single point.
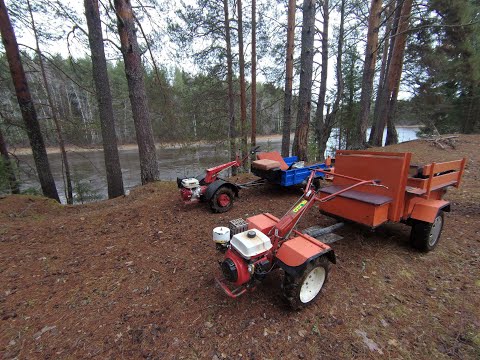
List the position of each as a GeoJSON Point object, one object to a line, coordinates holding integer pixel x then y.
{"type": "Point", "coordinates": [425, 236]}
{"type": "Point", "coordinates": [222, 200]}
{"type": "Point", "coordinates": [300, 291]}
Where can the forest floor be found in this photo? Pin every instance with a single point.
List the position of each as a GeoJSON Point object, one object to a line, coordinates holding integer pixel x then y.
{"type": "Point", "coordinates": [133, 278]}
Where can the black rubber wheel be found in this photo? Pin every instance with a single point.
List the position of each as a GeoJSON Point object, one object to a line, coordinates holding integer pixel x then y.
{"type": "Point", "coordinates": [303, 290]}
{"type": "Point", "coordinates": [425, 236]}
{"type": "Point", "coordinates": [317, 183]}
{"type": "Point", "coordinates": [222, 200]}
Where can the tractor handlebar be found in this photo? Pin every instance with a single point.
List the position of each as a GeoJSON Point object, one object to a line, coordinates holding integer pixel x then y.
{"type": "Point", "coordinates": [254, 150]}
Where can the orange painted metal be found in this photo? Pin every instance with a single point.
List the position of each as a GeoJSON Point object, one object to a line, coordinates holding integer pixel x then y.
{"type": "Point", "coordinates": [369, 188]}
{"type": "Point", "coordinates": [414, 194]}
{"type": "Point", "coordinates": [442, 167]}
{"type": "Point", "coordinates": [462, 170]}
{"type": "Point", "coordinates": [299, 249]}
{"type": "Point", "coordinates": [390, 168]}
{"type": "Point", "coordinates": [357, 200]}
{"type": "Point", "coordinates": [263, 222]}
{"type": "Point", "coordinates": [427, 209]}
{"type": "Point", "coordinates": [443, 174]}
{"type": "Point", "coordinates": [358, 211]}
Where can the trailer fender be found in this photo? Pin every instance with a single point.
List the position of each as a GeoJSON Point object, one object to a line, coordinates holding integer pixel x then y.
{"type": "Point", "coordinates": [426, 210]}
{"type": "Point", "coordinates": [217, 184]}
{"type": "Point", "coordinates": [295, 254]}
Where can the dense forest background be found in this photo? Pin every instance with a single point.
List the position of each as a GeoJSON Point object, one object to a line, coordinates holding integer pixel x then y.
{"type": "Point", "coordinates": [356, 64]}
{"type": "Point", "coordinates": [184, 107]}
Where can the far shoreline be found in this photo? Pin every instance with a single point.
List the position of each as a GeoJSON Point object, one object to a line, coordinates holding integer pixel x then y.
{"type": "Point", "coordinates": [158, 145]}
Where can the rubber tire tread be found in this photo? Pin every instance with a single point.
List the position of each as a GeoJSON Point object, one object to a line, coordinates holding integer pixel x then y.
{"type": "Point", "coordinates": [215, 207]}
{"type": "Point", "coordinates": [291, 285]}
{"type": "Point", "coordinates": [420, 234]}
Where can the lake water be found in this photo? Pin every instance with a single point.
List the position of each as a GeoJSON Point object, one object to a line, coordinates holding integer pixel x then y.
{"type": "Point", "coordinates": [89, 168]}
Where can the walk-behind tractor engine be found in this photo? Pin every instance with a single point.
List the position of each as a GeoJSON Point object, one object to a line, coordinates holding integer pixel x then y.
{"type": "Point", "coordinates": [191, 190]}
{"type": "Point", "coordinates": [247, 255]}
{"type": "Point", "coordinates": [209, 187]}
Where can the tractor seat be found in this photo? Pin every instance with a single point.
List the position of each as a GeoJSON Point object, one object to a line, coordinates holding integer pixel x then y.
{"type": "Point", "coordinates": [357, 195]}
{"type": "Point", "coordinates": [274, 156]}
{"type": "Point", "coordinates": [266, 164]}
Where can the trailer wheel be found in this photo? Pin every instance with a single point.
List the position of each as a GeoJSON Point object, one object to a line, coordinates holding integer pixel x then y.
{"type": "Point", "coordinates": [300, 291]}
{"type": "Point", "coordinates": [424, 236]}
{"type": "Point", "coordinates": [222, 200]}
{"type": "Point", "coordinates": [316, 183]}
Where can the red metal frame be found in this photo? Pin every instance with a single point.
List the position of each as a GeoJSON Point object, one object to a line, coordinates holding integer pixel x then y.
{"type": "Point", "coordinates": [415, 197]}
{"type": "Point", "coordinates": [288, 221]}
{"type": "Point", "coordinates": [210, 177]}
{"type": "Point", "coordinates": [232, 293]}
{"type": "Point", "coordinates": [211, 174]}
{"type": "Point", "coordinates": [223, 200]}
{"type": "Point", "coordinates": [283, 228]}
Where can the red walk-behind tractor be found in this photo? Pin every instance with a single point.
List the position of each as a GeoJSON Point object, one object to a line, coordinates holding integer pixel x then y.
{"type": "Point", "coordinates": [209, 187]}
{"type": "Point", "coordinates": [396, 192]}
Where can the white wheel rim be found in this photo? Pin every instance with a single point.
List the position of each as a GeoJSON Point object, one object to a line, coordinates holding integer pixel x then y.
{"type": "Point", "coordinates": [435, 231]}
{"type": "Point", "coordinates": [312, 284]}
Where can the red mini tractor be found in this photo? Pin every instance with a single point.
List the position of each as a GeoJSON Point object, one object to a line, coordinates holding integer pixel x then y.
{"type": "Point", "coordinates": [396, 192]}
{"type": "Point", "coordinates": [209, 187]}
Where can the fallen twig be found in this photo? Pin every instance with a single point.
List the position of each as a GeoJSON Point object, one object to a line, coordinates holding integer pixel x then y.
{"type": "Point", "coordinates": [443, 142]}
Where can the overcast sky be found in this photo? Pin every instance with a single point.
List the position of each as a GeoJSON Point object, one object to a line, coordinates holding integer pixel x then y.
{"type": "Point", "coordinates": [164, 51]}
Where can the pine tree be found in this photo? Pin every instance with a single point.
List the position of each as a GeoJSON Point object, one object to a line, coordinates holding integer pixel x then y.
{"type": "Point", "coordinates": [287, 109]}
{"type": "Point", "coordinates": [104, 99]}
{"type": "Point", "coordinates": [371, 51]}
{"type": "Point", "coordinates": [25, 102]}
{"type": "Point", "coordinates": [300, 141]}
{"type": "Point", "coordinates": [136, 89]}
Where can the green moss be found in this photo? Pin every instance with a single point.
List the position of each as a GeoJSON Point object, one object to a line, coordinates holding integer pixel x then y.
{"type": "Point", "coordinates": [399, 311]}
{"type": "Point", "coordinates": [406, 274]}
{"type": "Point", "coordinates": [476, 340]}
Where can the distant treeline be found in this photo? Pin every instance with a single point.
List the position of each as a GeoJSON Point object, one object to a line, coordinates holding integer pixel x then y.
{"type": "Point", "coordinates": [183, 107]}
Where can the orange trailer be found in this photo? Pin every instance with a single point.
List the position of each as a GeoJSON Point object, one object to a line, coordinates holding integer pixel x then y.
{"type": "Point", "coordinates": [369, 188]}
{"type": "Point", "coordinates": [409, 193]}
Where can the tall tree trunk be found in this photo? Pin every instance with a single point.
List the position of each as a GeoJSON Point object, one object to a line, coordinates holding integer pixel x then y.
{"type": "Point", "coordinates": [350, 106]}
{"type": "Point", "coordinates": [54, 113]}
{"type": "Point", "coordinates": [395, 71]}
{"type": "Point", "coordinates": [26, 105]}
{"type": "Point", "coordinates": [470, 109]}
{"type": "Point", "coordinates": [254, 74]}
{"type": "Point", "coordinates": [392, 135]}
{"type": "Point", "coordinates": [300, 142]}
{"type": "Point", "coordinates": [104, 99]}
{"type": "Point", "coordinates": [330, 118]}
{"type": "Point", "coordinates": [371, 50]}
{"type": "Point", "coordinates": [287, 109]}
{"type": "Point", "coordinates": [320, 125]}
{"type": "Point", "coordinates": [243, 94]}
{"type": "Point", "coordinates": [12, 179]}
{"type": "Point", "coordinates": [381, 114]}
{"type": "Point", "coordinates": [136, 91]}
{"type": "Point", "coordinates": [232, 129]}
{"type": "Point", "coordinates": [378, 126]}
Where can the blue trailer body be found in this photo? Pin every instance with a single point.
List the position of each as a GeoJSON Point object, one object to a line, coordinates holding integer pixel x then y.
{"type": "Point", "coordinates": [290, 177]}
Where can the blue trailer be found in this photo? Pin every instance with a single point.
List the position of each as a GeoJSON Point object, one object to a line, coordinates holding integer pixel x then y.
{"type": "Point", "coordinates": [286, 171]}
